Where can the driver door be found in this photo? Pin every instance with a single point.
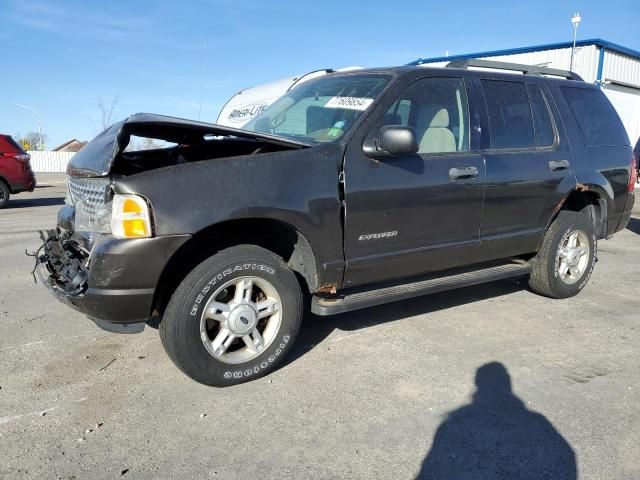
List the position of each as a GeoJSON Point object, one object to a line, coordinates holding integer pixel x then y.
{"type": "Point", "coordinates": [415, 213]}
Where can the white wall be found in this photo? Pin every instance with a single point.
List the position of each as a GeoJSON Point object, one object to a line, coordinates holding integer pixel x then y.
{"type": "Point", "coordinates": [627, 103]}
{"type": "Point", "coordinates": [621, 68]}
{"type": "Point", "coordinates": [45, 161]}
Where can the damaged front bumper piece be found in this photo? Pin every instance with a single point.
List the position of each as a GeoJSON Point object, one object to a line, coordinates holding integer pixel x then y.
{"type": "Point", "coordinates": [62, 265]}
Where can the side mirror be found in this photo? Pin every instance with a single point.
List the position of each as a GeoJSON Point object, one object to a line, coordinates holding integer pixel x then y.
{"type": "Point", "coordinates": [392, 140]}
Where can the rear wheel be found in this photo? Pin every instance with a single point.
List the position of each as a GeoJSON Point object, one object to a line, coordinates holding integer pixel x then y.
{"type": "Point", "coordinates": [564, 263]}
{"type": "Point", "coordinates": [234, 317]}
{"type": "Point", "coordinates": [4, 194]}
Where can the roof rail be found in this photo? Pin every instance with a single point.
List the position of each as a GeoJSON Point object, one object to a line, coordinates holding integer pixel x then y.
{"type": "Point", "coordinates": [516, 67]}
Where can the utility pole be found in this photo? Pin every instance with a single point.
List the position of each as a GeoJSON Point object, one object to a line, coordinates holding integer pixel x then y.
{"type": "Point", "coordinates": [204, 76]}
{"type": "Point", "coordinates": [575, 21]}
{"type": "Point", "coordinates": [26, 107]}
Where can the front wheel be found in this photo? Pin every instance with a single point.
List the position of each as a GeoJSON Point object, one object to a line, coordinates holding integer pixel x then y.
{"type": "Point", "coordinates": [234, 317]}
{"type": "Point", "coordinates": [564, 263]}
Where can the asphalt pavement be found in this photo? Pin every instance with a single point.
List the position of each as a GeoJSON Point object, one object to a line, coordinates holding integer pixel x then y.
{"type": "Point", "coordinates": [462, 384]}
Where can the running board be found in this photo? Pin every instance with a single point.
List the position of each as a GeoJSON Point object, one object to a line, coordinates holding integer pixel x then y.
{"type": "Point", "coordinates": [429, 284]}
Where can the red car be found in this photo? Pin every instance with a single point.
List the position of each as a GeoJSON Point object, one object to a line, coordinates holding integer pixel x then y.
{"type": "Point", "coordinates": [15, 171]}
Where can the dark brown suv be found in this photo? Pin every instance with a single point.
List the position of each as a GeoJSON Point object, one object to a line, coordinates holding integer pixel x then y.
{"type": "Point", "coordinates": [354, 189]}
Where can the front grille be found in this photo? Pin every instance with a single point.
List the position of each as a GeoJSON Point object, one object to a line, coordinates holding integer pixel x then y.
{"type": "Point", "coordinates": [88, 194]}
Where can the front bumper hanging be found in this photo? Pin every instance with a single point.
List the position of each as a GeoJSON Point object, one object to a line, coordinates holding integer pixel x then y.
{"type": "Point", "coordinates": [62, 265]}
{"type": "Point", "coordinates": [112, 281]}
{"type": "Point", "coordinates": [65, 263]}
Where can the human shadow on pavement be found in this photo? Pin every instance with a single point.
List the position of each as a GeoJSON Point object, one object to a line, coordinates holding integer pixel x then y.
{"type": "Point", "coordinates": [497, 437]}
{"type": "Point", "coordinates": [634, 226]}
{"type": "Point", "coordinates": [315, 329]}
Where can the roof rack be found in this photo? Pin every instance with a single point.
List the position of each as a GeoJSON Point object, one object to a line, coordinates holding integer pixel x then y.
{"type": "Point", "coordinates": [516, 67]}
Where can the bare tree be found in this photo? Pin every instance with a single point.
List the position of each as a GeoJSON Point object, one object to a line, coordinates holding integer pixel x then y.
{"type": "Point", "coordinates": [106, 112]}
{"type": "Point", "coordinates": [31, 140]}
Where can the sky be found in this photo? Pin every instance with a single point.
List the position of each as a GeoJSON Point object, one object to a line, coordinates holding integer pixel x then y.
{"type": "Point", "coordinates": [63, 57]}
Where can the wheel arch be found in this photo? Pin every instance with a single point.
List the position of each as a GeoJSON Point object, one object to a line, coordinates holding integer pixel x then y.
{"type": "Point", "coordinates": [591, 199]}
{"type": "Point", "coordinates": [277, 236]}
{"type": "Point", "coordinates": [6, 182]}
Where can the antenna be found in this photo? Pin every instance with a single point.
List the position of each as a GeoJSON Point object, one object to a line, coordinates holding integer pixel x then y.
{"type": "Point", "coordinates": [575, 21]}
{"type": "Point", "coordinates": [204, 74]}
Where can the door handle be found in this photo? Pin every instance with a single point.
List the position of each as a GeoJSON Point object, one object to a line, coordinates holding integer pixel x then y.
{"type": "Point", "coordinates": [457, 173]}
{"type": "Point", "coordinates": [558, 165]}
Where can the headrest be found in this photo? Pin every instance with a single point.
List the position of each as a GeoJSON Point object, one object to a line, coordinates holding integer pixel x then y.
{"type": "Point", "coordinates": [440, 119]}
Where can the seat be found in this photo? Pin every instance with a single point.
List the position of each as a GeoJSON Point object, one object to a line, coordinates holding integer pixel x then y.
{"type": "Point", "coordinates": [437, 137]}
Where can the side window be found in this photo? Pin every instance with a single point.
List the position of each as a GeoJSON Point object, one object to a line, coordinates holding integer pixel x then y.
{"type": "Point", "coordinates": [438, 110]}
{"type": "Point", "coordinates": [542, 123]}
{"type": "Point", "coordinates": [510, 116]}
{"type": "Point", "coordinates": [598, 120]}
{"type": "Point", "coordinates": [398, 113]}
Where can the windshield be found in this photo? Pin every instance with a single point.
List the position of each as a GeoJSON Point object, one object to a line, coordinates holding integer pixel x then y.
{"type": "Point", "coordinates": [320, 110]}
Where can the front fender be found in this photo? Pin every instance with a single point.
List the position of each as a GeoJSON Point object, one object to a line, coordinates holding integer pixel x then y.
{"type": "Point", "coordinates": [297, 187]}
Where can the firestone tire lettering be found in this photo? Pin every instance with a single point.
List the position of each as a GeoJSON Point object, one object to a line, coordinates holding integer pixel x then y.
{"type": "Point", "coordinates": [225, 273]}
{"type": "Point", "coordinates": [262, 366]}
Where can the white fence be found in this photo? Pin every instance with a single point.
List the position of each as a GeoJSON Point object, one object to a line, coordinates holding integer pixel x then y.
{"type": "Point", "coordinates": [44, 161]}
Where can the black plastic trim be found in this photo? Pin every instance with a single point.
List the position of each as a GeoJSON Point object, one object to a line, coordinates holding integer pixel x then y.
{"type": "Point", "coordinates": [429, 284]}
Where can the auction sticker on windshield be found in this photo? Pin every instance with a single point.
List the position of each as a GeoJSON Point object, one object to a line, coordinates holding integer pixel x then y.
{"type": "Point", "coordinates": [350, 103]}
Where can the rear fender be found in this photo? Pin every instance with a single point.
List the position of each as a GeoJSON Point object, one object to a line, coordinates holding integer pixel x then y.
{"type": "Point", "coordinates": [602, 193]}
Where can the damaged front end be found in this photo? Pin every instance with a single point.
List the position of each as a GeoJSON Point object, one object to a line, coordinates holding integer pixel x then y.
{"type": "Point", "coordinates": [107, 254]}
{"type": "Point", "coordinates": [63, 264]}
{"type": "Point", "coordinates": [70, 273]}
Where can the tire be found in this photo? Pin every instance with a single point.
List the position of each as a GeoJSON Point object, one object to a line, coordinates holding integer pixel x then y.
{"type": "Point", "coordinates": [4, 194]}
{"type": "Point", "coordinates": [206, 307]}
{"type": "Point", "coordinates": [551, 274]}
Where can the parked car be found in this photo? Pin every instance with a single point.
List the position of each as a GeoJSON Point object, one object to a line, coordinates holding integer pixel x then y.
{"type": "Point", "coordinates": [15, 171]}
{"type": "Point", "coordinates": [636, 155]}
{"type": "Point", "coordinates": [354, 189]}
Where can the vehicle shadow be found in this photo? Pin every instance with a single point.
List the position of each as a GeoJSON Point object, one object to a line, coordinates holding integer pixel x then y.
{"type": "Point", "coordinates": [35, 202]}
{"type": "Point", "coordinates": [315, 328]}
{"type": "Point", "coordinates": [496, 436]}
{"type": "Point", "coordinates": [634, 225]}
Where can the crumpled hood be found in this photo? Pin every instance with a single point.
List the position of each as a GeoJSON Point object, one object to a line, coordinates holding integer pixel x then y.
{"type": "Point", "coordinates": [96, 158]}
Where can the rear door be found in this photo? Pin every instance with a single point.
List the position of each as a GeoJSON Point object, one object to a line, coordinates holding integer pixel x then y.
{"type": "Point", "coordinates": [415, 213]}
{"type": "Point", "coordinates": [529, 165]}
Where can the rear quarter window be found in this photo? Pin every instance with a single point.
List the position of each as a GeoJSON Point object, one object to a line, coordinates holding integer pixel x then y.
{"type": "Point", "coordinates": [596, 117]}
{"type": "Point", "coordinates": [8, 144]}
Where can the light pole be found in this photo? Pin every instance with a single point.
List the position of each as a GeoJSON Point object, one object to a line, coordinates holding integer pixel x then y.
{"type": "Point", "coordinates": [575, 21]}
{"type": "Point", "coordinates": [26, 107]}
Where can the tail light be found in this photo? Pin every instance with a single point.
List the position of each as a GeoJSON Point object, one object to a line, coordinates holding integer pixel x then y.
{"type": "Point", "coordinates": [21, 157]}
{"type": "Point", "coordinates": [633, 175]}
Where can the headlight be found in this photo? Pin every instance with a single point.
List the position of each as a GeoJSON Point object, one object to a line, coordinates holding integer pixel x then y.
{"type": "Point", "coordinates": [130, 217]}
{"type": "Point", "coordinates": [67, 199]}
